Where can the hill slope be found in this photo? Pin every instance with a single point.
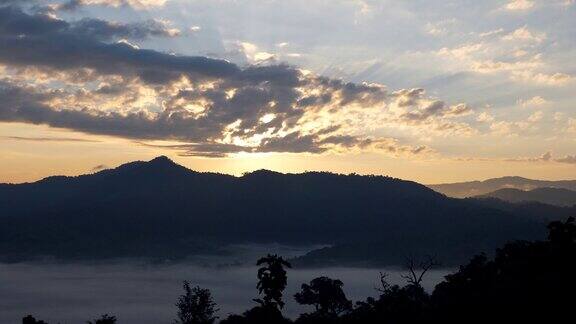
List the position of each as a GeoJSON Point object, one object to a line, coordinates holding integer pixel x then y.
{"type": "Point", "coordinates": [551, 196]}
{"type": "Point", "coordinates": [476, 188]}
{"type": "Point", "coordinates": [158, 209]}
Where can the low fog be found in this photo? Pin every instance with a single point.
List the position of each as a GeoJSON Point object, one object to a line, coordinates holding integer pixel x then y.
{"type": "Point", "coordinates": [142, 293]}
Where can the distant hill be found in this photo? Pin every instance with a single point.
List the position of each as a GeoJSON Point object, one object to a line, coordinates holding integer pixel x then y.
{"type": "Point", "coordinates": [163, 211]}
{"type": "Point", "coordinates": [477, 188]}
{"type": "Point", "coordinates": [367, 252]}
{"type": "Point", "coordinates": [551, 196]}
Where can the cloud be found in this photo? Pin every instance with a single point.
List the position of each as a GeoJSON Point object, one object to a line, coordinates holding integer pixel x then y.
{"type": "Point", "coordinates": [515, 128]}
{"type": "Point", "coordinates": [535, 101]}
{"type": "Point", "coordinates": [99, 167]}
{"type": "Point", "coordinates": [492, 32]}
{"type": "Point", "coordinates": [569, 159]}
{"type": "Point", "coordinates": [571, 128]}
{"type": "Point", "coordinates": [212, 106]}
{"type": "Point", "coordinates": [523, 34]}
{"type": "Point", "coordinates": [554, 79]}
{"type": "Point", "coordinates": [105, 30]}
{"type": "Point", "coordinates": [519, 5]}
{"type": "Point", "coordinates": [425, 110]}
{"type": "Point", "coordinates": [440, 28]}
{"type": "Point", "coordinates": [485, 117]}
{"type": "Point", "coordinates": [15, 22]}
{"type": "Point", "coordinates": [136, 4]}
{"type": "Point", "coordinates": [49, 139]}
{"type": "Point", "coordinates": [39, 40]}
{"type": "Point", "coordinates": [547, 157]}
{"type": "Point", "coordinates": [516, 54]}
{"type": "Point", "coordinates": [535, 117]}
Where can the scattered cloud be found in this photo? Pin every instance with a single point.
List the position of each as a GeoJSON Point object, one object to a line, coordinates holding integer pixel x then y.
{"type": "Point", "coordinates": [536, 101]}
{"type": "Point", "coordinates": [485, 117]}
{"type": "Point", "coordinates": [440, 28]}
{"type": "Point", "coordinates": [519, 5]}
{"type": "Point", "coordinates": [547, 157]}
{"type": "Point", "coordinates": [525, 35]}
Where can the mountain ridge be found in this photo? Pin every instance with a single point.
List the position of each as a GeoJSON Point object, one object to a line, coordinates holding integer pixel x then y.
{"type": "Point", "coordinates": [552, 196]}
{"type": "Point", "coordinates": [477, 188]}
{"type": "Point", "coordinates": [161, 210]}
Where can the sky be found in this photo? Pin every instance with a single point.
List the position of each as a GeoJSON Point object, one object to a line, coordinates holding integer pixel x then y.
{"type": "Point", "coordinates": [426, 90]}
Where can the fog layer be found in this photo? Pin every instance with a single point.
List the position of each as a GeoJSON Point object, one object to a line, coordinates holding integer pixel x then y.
{"type": "Point", "coordinates": [145, 294]}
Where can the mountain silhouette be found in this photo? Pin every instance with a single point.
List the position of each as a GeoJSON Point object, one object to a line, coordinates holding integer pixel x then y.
{"type": "Point", "coordinates": [161, 210]}
{"type": "Point", "coordinates": [477, 188]}
{"type": "Point", "coordinates": [551, 196]}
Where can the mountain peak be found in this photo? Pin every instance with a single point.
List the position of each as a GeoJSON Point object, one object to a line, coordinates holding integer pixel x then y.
{"type": "Point", "coordinates": [162, 159]}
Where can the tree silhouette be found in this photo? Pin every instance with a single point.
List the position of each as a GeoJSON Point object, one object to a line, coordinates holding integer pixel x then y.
{"type": "Point", "coordinates": [104, 319]}
{"type": "Point", "coordinates": [526, 282]}
{"type": "Point", "coordinates": [31, 320]}
{"type": "Point", "coordinates": [326, 295]}
{"type": "Point", "coordinates": [272, 280]}
{"type": "Point", "coordinates": [196, 306]}
{"type": "Point", "coordinates": [416, 271]}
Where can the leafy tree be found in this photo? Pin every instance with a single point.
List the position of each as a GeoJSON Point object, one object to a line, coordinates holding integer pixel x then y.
{"type": "Point", "coordinates": [196, 306]}
{"type": "Point", "coordinates": [272, 280]}
{"type": "Point", "coordinates": [395, 305]}
{"type": "Point", "coordinates": [104, 319]}
{"type": "Point", "coordinates": [326, 295]}
{"type": "Point", "coordinates": [526, 282]}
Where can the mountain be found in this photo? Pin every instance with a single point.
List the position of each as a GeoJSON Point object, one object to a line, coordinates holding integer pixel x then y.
{"type": "Point", "coordinates": [477, 188]}
{"type": "Point", "coordinates": [163, 211]}
{"type": "Point", "coordinates": [550, 196]}
{"type": "Point", "coordinates": [368, 252]}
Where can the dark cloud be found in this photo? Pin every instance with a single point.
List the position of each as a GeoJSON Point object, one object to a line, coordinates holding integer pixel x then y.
{"type": "Point", "coordinates": [233, 100]}
{"type": "Point", "coordinates": [15, 22]}
{"type": "Point", "coordinates": [99, 167]}
{"type": "Point", "coordinates": [39, 40]}
{"type": "Point", "coordinates": [105, 30]}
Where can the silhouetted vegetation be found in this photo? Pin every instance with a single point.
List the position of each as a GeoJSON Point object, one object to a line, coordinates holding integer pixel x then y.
{"type": "Point", "coordinates": [196, 306]}
{"type": "Point", "coordinates": [104, 319]}
{"type": "Point", "coordinates": [31, 320]}
{"type": "Point", "coordinates": [327, 297]}
{"type": "Point", "coordinates": [367, 220]}
{"type": "Point", "coordinates": [526, 282]}
{"type": "Point", "coordinates": [272, 280]}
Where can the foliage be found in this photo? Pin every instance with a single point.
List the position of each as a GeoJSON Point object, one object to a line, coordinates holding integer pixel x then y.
{"type": "Point", "coordinates": [272, 280]}
{"type": "Point", "coordinates": [326, 295]}
{"type": "Point", "coordinates": [196, 306]}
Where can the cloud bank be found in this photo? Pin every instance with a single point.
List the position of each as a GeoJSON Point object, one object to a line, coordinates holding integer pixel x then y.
{"type": "Point", "coordinates": [109, 86]}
